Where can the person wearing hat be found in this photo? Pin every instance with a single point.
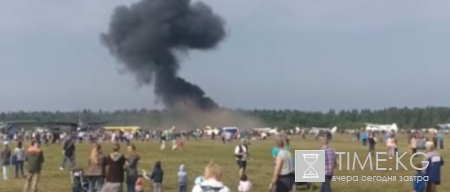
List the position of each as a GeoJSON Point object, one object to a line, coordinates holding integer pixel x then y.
{"type": "Point", "coordinates": [6, 159]}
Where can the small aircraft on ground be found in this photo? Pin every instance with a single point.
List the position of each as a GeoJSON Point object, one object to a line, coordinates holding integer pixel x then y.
{"type": "Point", "coordinates": [77, 126]}
{"type": "Point", "coordinates": [14, 126]}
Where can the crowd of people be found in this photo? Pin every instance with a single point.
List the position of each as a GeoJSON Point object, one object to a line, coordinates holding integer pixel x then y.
{"type": "Point", "coordinates": [433, 161]}
{"type": "Point", "coordinates": [111, 172]}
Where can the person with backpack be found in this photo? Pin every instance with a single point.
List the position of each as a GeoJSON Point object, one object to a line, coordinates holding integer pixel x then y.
{"type": "Point", "coordinates": [68, 153]}
{"type": "Point", "coordinates": [240, 153]}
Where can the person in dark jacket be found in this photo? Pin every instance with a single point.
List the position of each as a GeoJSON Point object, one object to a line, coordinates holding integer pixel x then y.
{"type": "Point", "coordinates": [68, 153]}
{"type": "Point", "coordinates": [156, 177]}
{"type": "Point", "coordinates": [34, 159]}
{"type": "Point", "coordinates": [132, 173]}
{"type": "Point", "coordinates": [95, 171]}
{"type": "Point", "coordinates": [115, 163]}
{"type": "Point", "coordinates": [5, 157]}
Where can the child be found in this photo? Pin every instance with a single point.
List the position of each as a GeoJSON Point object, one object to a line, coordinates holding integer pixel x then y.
{"type": "Point", "coordinates": [419, 183]}
{"type": "Point", "coordinates": [244, 184]}
{"type": "Point", "coordinates": [182, 179]}
{"type": "Point", "coordinates": [163, 145]}
{"type": "Point", "coordinates": [138, 185]}
{"type": "Point", "coordinates": [156, 177]}
{"type": "Point", "coordinates": [180, 144]}
{"type": "Point", "coordinates": [6, 160]}
{"type": "Point", "coordinates": [174, 145]}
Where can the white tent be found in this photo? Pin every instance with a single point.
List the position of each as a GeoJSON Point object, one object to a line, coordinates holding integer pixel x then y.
{"type": "Point", "coordinates": [318, 129]}
{"type": "Point", "coordinates": [378, 127]}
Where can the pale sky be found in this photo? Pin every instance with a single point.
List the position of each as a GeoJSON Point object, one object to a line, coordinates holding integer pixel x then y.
{"type": "Point", "coordinates": [297, 54]}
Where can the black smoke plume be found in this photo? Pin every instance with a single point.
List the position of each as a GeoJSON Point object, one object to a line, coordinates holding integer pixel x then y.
{"type": "Point", "coordinates": [147, 36]}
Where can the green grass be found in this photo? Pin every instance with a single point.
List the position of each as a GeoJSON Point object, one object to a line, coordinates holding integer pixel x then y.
{"type": "Point", "coordinates": [198, 153]}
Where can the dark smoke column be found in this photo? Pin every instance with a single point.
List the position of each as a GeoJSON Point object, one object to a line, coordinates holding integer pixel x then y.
{"type": "Point", "coordinates": [146, 36]}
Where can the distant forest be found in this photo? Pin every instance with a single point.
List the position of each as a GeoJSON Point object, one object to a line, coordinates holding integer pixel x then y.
{"type": "Point", "coordinates": [404, 117]}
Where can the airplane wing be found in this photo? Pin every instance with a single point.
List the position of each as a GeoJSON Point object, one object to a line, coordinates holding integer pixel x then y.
{"type": "Point", "coordinates": [11, 125]}
{"type": "Point", "coordinates": [21, 122]}
{"type": "Point", "coordinates": [62, 123]}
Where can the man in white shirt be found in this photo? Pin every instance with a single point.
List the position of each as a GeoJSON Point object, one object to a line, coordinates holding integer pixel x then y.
{"type": "Point", "coordinates": [241, 156]}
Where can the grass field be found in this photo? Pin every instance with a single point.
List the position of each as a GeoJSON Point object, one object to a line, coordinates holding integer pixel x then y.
{"type": "Point", "coordinates": [198, 153]}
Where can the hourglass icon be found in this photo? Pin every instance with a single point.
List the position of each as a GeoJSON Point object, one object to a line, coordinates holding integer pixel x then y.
{"type": "Point", "coordinates": [310, 172]}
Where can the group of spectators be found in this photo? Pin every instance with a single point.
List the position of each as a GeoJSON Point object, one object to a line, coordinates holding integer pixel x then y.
{"type": "Point", "coordinates": [111, 172]}
{"type": "Point", "coordinates": [34, 158]}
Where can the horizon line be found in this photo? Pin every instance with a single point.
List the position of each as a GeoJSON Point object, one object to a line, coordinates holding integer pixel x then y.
{"type": "Point", "coordinates": [229, 109]}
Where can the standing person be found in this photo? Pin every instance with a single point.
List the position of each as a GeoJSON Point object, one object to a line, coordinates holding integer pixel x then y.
{"type": "Point", "coordinates": [240, 153]}
{"type": "Point", "coordinates": [363, 138]}
{"type": "Point", "coordinates": [19, 157]}
{"type": "Point", "coordinates": [95, 171]}
{"type": "Point", "coordinates": [211, 180]}
{"type": "Point", "coordinates": [115, 163]}
{"type": "Point", "coordinates": [433, 170]}
{"type": "Point", "coordinates": [182, 179]}
{"type": "Point", "coordinates": [5, 157]}
{"type": "Point", "coordinates": [391, 145]}
{"type": "Point", "coordinates": [434, 138]}
{"type": "Point", "coordinates": [372, 141]}
{"type": "Point", "coordinates": [34, 158]}
{"type": "Point", "coordinates": [440, 140]}
{"type": "Point", "coordinates": [156, 177]}
{"type": "Point", "coordinates": [283, 176]}
{"type": "Point", "coordinates": [413, 144]}
{"type": "Point", "coordinates": [287, 139]}
{"type": "Point", "coordinates": [132, 173]}
{"type": "Point", "coordinates": [68, 153]}
{"type": "Point", "coordinates": [330, 165]}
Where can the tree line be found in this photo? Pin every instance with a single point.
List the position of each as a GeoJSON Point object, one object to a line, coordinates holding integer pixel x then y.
{"type": "Point", "coordinates": [404, 117]}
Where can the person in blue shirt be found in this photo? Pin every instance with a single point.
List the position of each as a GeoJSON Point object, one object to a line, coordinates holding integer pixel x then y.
{"type": "Point", "coordinates": [419, 182]}
{"type": "Point", "coordinates": [364, 138]}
